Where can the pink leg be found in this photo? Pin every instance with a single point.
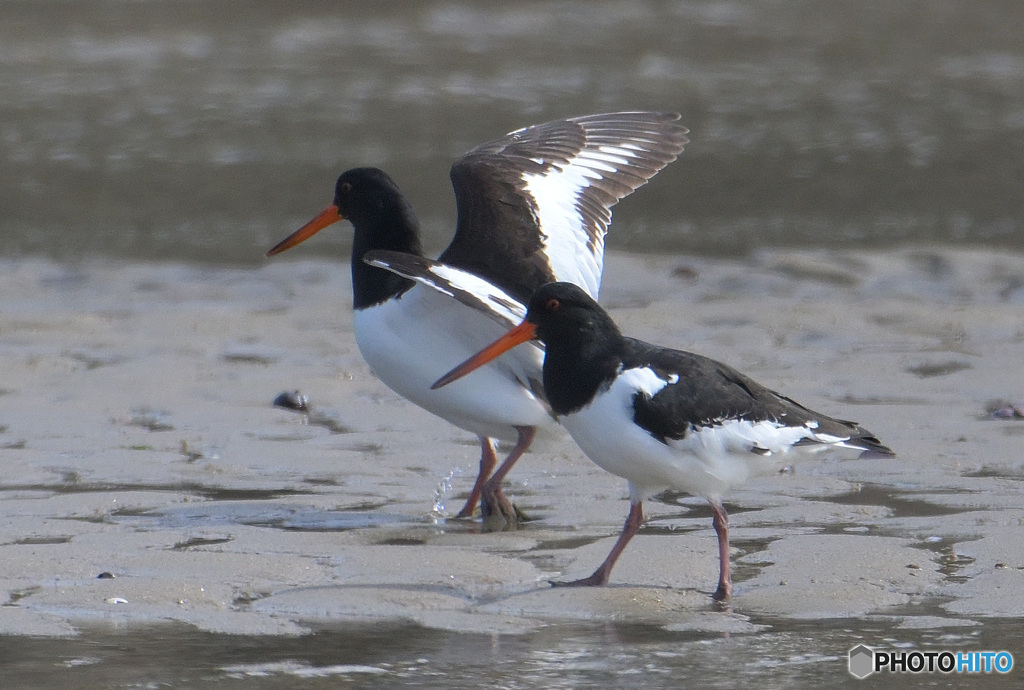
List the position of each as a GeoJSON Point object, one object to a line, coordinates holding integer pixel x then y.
{"type": "Point", "coordinates": [488, 459]}
{"type": "Point", "coordinates": [600, 577]}
{"type": "Point", "coordinates": [721, 525]}
{"type": "Point", "coordinates": [498, 512]}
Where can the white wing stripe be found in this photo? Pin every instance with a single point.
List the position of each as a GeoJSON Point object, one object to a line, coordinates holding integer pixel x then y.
{"type": "Point", "coordinates": [601, 156]}
{"type": "Point", "coordinates": [626, 150]}
{"type": "Point", "coordinates": [739, 435]}
{"type": "Point", "coordinates": [582, 179]}
{"type": "Point", "coordinates": [595, 163]}
{"type": "Point", "coordinates": [556, 196]}
{"type": "Point", "coordinates": [562, 226]}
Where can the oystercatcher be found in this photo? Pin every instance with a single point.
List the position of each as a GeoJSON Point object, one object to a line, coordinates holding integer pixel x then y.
{"type": "Point", "coordinates": [533, 207]}
{"type": "Point", "coordinates": [660, 418]}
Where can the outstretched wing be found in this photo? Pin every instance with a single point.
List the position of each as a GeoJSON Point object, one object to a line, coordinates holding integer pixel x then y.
{"type": "Point", "coordinates": [534, 206]}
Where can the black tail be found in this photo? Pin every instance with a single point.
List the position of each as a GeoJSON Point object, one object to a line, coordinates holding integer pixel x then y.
{"type": "Point", "coordinates": [866, 441]}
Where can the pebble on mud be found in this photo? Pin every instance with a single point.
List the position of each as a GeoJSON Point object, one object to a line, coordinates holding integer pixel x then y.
{"type": "Point", "coordinates": [292, 400]}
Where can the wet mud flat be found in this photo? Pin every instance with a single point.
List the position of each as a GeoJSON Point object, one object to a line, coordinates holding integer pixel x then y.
{"type": "Point", "coordinates": [152, 499]}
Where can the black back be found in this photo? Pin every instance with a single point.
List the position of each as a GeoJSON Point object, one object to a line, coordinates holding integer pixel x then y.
{"type": "Point", "coordinates": [585, 351]}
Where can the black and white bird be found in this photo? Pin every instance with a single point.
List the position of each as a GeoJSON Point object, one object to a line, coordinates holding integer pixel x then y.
{"type": "Point", "coordinates": [660, 418]}
{"type": "Point", "coordinates": [533, 207]}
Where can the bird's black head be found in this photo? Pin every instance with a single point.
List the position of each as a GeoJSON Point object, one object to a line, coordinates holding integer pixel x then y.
{"type": "Point", "coordinates": [382, 219]}
{"type": "Point", "coordinates": [367, 196]}
{"type": "Point", "coordinates": [564, 312]}
{"type": "Point", "coordinates": [372, 202]}
{"type": "Point", "coordinates": [583, 346]}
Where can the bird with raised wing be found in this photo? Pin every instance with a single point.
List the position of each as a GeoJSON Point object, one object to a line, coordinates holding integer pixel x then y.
{"type": "Point", "coordinates": [533, 207]}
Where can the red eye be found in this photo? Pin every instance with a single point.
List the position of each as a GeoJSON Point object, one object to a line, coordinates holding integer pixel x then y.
{"type": "Point", "coordinates": [552, 304]}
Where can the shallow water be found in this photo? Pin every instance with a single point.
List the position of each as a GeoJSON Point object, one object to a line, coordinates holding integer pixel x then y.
{"type": "Point", "coordinates": [145, 130]}
{"type": "Point", "coordinates": [786, 654]}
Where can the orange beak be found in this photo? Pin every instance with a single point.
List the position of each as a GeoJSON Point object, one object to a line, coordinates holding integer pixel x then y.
{"type": "Point", "coordinates": [328, 216]}
{"type": "Point", "coordinates": [522, 333]}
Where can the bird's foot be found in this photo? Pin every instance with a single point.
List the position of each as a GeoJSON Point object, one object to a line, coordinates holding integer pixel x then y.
{"type": "Point", "coordinates": [595, 580]}
{"type": "Point", "coordinates": [723, 593]}
{"type": "Point", "coordinates": [498, 513]}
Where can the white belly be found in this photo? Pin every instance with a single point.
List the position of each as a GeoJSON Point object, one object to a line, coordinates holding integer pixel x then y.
{"type": "Point", "coordinates": [411, 341]}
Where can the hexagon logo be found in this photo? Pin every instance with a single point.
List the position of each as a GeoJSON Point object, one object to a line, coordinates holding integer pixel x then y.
{"type": "Point", "coordinates": [862, 661]}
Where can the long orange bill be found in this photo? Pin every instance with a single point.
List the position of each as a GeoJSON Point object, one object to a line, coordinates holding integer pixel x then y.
{"type": "Point", "coordinates": [328, 216]}
{"type": "Point", "coordinates": [522, 333]}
